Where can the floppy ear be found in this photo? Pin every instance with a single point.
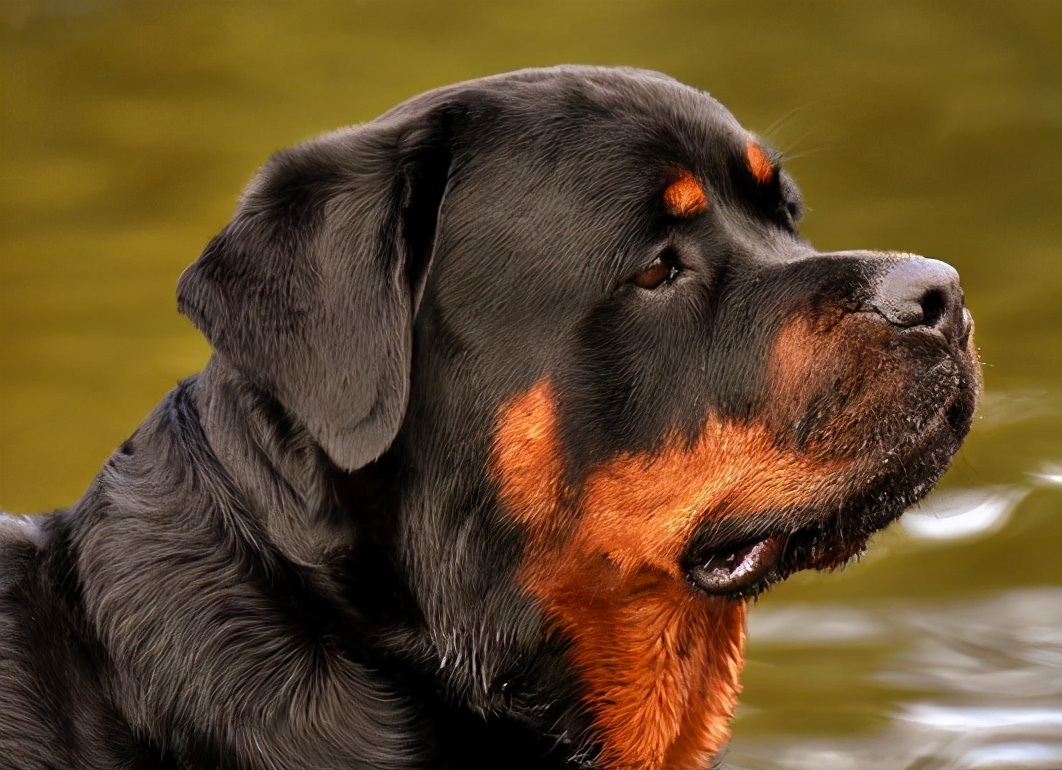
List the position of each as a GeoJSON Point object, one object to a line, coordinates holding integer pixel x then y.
{"type": "Point", "coordinates": [311, 289]}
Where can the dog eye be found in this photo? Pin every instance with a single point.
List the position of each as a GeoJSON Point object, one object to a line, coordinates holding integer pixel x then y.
{"type": "Point", "coordinates": [660, 271]}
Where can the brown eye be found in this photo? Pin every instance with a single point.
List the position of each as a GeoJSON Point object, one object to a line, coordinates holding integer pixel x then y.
{"type": "Point", "coordinates": [656, 274]}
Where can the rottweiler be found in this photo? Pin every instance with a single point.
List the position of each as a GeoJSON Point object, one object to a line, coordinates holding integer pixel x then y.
{"type": "Point", "coordinates": [519, 393]}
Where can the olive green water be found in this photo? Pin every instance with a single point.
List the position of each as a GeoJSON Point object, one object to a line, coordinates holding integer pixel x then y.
{"type": "Point", "coordinates": [129, 129]}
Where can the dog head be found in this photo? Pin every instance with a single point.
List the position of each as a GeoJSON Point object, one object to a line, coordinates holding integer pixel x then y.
{"type": "Point", "coordinates": [566, 317]}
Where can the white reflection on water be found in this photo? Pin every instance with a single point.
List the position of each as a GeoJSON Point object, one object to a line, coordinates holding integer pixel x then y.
{"type": "Point", "coordinates": [963, 513]}
{"type": "Point", "coordinates": [963, 719]}
{"type": "Point", "coordinates": [1050, 474]}
{"type": "Point", "coordinates": [989, 674]}
{"type": "Point", "coordinates": [1016, 755]}
{"type": "Point", "coordinates": [832, 626]}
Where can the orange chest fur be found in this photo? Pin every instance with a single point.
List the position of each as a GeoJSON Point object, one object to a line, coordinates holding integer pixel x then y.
{"type": "Point", "coordinates": [658, 661]}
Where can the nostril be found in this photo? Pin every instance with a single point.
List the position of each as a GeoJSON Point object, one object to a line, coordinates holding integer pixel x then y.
{"type": "Point", "coordinates": [919, 292]}
{"type": "Point", "coordinates": [934, 307]}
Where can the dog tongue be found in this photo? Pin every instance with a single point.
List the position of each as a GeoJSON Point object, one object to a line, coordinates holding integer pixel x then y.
{"type": "Point", "coordinates": [727, 572]}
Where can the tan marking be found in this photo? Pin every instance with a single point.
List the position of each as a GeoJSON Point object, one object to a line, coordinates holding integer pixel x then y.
{"type": "Point", "coordinates": [659, 661]}
{"type": "Point", "coordinates": [759, 164]}
{"type": "Point", "coordinates": [841, 355]}
{"type": "Point", "coordinates": [685, 197]}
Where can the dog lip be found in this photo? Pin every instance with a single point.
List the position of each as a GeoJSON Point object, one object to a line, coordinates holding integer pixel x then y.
{"type": "Point", "coordinates": [735, 569]}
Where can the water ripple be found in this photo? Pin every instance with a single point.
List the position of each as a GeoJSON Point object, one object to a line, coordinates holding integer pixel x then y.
{"type": "Point", "coordinates": [983, 679]}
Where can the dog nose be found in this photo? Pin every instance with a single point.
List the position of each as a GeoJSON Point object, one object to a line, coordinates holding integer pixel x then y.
{"type": "Point", "coordinates": [923, 292]}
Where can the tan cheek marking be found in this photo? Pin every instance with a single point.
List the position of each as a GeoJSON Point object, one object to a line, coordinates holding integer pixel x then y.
{"type": "Point", "coordinates": [759, 165]}
{"type": "Point", "coordinates": [685, 197]}
{"type": "Point", "coordinates": [659, 662]}
{"type": "Point", "coordinates": [526, 457]}
{"type": "Point", "coordinates": [849, 360]}
{"type": "Point", "coordinates": [799, 361]}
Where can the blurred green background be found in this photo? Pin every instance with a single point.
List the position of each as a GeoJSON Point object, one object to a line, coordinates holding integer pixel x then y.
{"type": "Point", "coordinates": [129, 128]}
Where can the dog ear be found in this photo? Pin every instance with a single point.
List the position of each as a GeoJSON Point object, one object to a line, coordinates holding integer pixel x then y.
{"type": "Point", "coordinates": [311, 289]}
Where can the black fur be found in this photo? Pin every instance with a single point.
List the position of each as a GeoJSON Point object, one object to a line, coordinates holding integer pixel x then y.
{"type": "Point", "coordinates": [299, 559]}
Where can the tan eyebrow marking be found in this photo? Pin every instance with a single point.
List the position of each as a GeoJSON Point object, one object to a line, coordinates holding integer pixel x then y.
{"type": "Point", "coordinates": [759, 164]}
{"type": "Point", "coordinates": [685, 197]}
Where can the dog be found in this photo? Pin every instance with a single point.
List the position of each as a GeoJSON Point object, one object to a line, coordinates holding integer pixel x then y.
{"type": "Point", "coordinates": [519, 393]}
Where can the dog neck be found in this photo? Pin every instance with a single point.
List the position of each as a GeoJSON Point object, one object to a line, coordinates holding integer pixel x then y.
{"type": "Point", "coordinates": [282, 474]}
{"type": "Point", "coordinates": [659, 662]}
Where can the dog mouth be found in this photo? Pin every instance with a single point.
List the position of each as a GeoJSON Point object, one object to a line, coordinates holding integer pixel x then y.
{"type": "Point", "coordinates": [747, 566]}
{"type": "Point", "coordinates": [735, 570]}
{"type": "Point", "coordinates": [741, 557]}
